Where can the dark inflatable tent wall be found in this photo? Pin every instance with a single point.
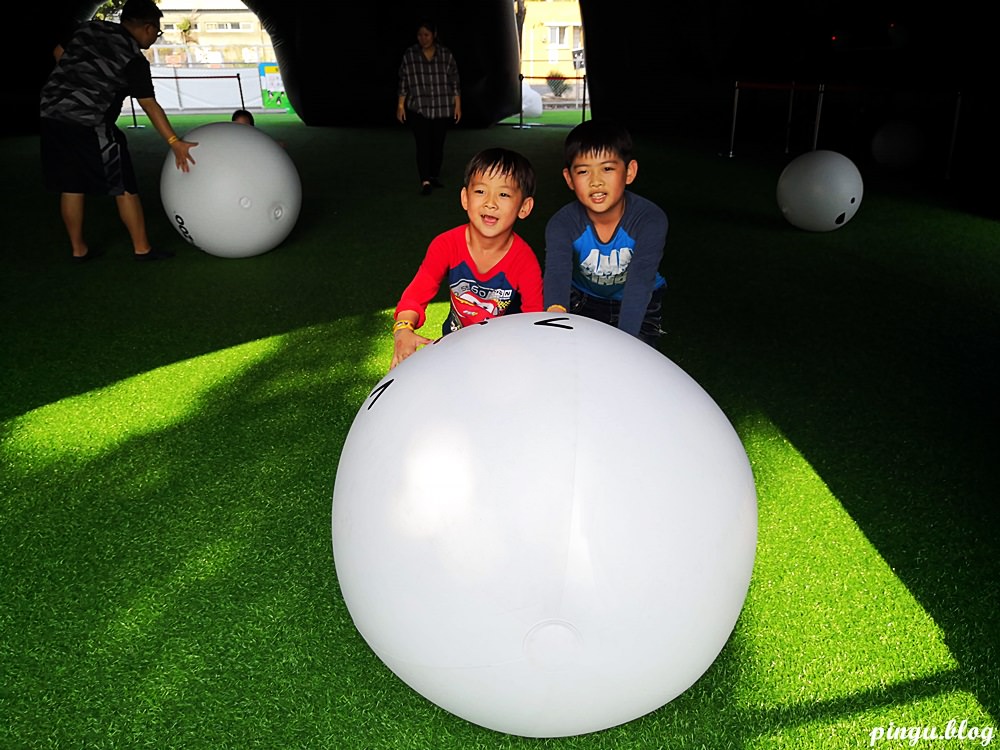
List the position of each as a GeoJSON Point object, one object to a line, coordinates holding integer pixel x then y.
{"type": "Point", "coordinates": [340, 68]}
{"type": "Point", "coordinates": [667, 67]}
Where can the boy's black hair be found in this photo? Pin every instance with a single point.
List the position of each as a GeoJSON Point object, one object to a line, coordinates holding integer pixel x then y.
{"type": "Point", "coordinates": [597, 137]}
{"type": "Point", "coordinates": [141, 11]}
{"type": "Point", "coordinates": [242, 113]}
{"type": "Point", "coordinates": [505, 162]}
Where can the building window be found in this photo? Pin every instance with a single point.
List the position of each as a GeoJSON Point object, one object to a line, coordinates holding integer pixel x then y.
{"type": "Point", "coordinates": [560, 36]}
{"type": "Point", "coordinates": [228, 26]}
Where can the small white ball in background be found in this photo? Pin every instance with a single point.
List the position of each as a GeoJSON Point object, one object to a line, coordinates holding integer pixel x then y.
{"type": "Point", "coordinates": [820, 191]}
{"type": "Point", "coordinates": [531, 100]}
{"type": "Point", "coordinates": [548, 549]}
{"type": "Point", "coordinates": [242, 196]}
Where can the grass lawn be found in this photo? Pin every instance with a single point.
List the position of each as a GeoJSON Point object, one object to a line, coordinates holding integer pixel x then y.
{"type": "Point", "coordinates": [169, 438]}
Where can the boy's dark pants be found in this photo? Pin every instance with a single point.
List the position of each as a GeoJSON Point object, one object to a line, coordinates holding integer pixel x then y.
{"type": "Point", "coordinates": [606, 311]}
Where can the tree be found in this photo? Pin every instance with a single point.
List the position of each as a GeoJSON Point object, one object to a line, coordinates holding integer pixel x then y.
{"type": "Point", "coordinates": [186, 27]}
{"type": "Point", "coordinates": [557, 83]}
{"type": "Point", "coordinates": [109, 10]}
{"type": "Point", "coordinates": [520, 11]}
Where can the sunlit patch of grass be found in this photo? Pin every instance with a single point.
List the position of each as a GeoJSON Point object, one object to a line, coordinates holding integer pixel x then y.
{"type": "Point", "coordinates": [90, 425]}
{"type": "Point", "coordinates": [825, 616]}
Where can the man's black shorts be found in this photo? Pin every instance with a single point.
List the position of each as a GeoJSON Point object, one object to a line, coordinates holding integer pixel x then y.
{"type": "Point", "coordinates": [83, 159]}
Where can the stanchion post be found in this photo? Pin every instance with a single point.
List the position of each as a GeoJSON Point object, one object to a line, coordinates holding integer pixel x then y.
{"type": "Point", "coordinates": [583, 117]}
{"type": "Point", "coordinates": [520, 101]}
{"type": "Point", "coordinates": [732, 127]}
{"type": "Point", "coordinates": [135, 123]}
{"type": "Point", "coordinates": [177, 88]}
{"type": "Point", "coordinates": [788, 122]}
{"type": "Point", "coordinates": [819, 112]}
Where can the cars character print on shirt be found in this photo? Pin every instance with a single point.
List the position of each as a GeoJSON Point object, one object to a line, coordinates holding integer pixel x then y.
{"type": "Point", "coordinates": [476, 302]}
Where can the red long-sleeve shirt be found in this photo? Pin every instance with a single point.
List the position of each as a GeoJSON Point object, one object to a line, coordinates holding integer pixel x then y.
{"type": "Point", "coordinates": [475, 296]}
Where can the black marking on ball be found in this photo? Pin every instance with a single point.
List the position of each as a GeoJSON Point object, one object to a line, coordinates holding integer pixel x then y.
{"type": "Point", "coordinates": [553, 323]}
{"type": "Point", "coordinates": [374, 395]}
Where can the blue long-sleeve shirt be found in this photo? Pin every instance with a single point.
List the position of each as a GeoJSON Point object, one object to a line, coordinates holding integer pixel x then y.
{"type": "Point", "coordinates": [625, 269]}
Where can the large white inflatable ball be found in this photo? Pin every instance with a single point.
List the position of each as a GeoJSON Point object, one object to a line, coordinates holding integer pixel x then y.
{"type": "Point", "coordinates": [543, 525]}
{"type": "Point", "coordinates": [820, 191]}
{"type": "Point", "coordinates": [531, 100]}
{"type": "Point", "coordinates": [241, 197]}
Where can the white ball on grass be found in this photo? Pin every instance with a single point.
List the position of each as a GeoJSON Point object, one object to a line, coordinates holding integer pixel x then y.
{"type": "Point", "coordinates": [820, 191]}
{"type": "Point", "coordinates": [543, 525]}
{"type": "Point", "coordinates": [531, 101]}
{"type": "Point", "coordinates": [242, 196]}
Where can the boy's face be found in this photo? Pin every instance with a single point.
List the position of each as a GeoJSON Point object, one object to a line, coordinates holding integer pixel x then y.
{"type": "Point", "coordinates": [494, 202]}
{"type": "Point", "coordinates": [599, 180]}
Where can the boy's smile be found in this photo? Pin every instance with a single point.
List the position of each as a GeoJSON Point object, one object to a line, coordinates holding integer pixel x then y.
{"type": "Point", "coordinates": [599, 181]}
{"type": "Point", "coordinates": [493, 203]}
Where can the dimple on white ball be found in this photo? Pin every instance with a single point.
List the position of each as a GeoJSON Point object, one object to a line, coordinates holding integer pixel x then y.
{"type": "Point", "coordinates": [242, 196]}
{"type": "Point", "coordinates": [543, 525]}
{"type": "Point", "coordinates": [820, 191]}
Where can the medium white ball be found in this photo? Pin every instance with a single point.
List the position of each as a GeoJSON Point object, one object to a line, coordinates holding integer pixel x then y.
{"type": "Point", "coordinates": [543, 525]}
{"type": "Point", "coordinates": [531, 101]}
{"type": "Point", "coordinates": [241, 197]}
{"type": "Point", "coordinates": [820, 191]}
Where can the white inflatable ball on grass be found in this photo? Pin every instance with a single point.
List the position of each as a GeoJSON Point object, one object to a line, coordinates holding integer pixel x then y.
{"type": "Point", "coordinates": [531, 100]}
{"type": "Point", "coordinates": [820, 191]}
{"type": "Point", "coordinates": [242, 196]}
{"type": "Point", "coordinates": [543, 525]}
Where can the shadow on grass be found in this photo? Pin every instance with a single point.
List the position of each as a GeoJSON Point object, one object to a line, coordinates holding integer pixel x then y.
{"type": "Point", "coordinates": [178, 583]}
{"type": "Point", "coordinates": [875, 350]}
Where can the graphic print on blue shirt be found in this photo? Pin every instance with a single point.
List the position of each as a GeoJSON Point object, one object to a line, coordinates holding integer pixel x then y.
{"type": "Point", "coordinates": [602, 267]}
{"type": "Point", "coordinates": [473, 301]}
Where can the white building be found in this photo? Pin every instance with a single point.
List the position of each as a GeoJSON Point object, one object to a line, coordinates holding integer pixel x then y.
{"type": "Point", "coordinates": [210, 32]}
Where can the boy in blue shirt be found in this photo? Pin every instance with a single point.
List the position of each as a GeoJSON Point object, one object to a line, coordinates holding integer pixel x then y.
{"type": "Point", "coordinates": [603, 251]}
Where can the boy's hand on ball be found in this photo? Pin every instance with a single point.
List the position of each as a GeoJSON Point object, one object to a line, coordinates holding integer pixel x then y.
{"type": "Point", "coordinates": [404, 343]}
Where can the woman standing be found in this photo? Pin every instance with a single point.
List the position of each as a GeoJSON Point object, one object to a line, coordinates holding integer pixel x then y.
{"type": "Point", "coordinates": [429, 101]}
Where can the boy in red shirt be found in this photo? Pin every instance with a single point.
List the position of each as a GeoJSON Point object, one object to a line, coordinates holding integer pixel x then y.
{"type": "Point", "coordinates": [490, 270]}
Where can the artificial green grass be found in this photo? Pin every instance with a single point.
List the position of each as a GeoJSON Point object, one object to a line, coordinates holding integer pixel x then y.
{"type": "Point", "coordinates": [170, 433]}
{"type": "Point", "coordinates": [566, 118]}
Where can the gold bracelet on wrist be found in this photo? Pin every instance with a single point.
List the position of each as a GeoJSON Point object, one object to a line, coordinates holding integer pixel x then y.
{"type": "Point", "coordinates": [172, 140]}
{"type": "Point", "coordinates": [399, 325]}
